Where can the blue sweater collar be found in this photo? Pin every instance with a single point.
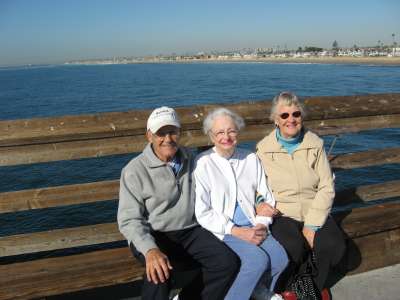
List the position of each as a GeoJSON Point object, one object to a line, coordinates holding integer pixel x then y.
{"type": "Point", "coordinates": [290, 144]}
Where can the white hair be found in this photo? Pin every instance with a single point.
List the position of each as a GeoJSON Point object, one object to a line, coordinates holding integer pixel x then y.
{"type": "Point", "coordinates": [222, 111]}
{"type": "Point", "coordinates": [287, 99]}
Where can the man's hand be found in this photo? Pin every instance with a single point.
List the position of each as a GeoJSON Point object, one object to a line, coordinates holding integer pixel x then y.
{"type": "Point", "coordinates": [255, 235]}
{"type": "Point", "coordinates": [266, 210]}
{"type": "Point", "coordinates": [157, 266]}
{"type": "Point", "coordinates": [309, 236]}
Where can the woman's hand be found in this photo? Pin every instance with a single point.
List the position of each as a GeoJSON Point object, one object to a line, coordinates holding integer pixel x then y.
{"type": "Point", "coordinates": [309, 235]}
{"type": "Point", "coordinates": [266, 210]}
{"type": "Point", "coordinates": [255, 235]}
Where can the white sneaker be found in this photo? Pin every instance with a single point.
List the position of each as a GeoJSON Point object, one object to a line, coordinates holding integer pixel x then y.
{"type": "Point", "coordinates": [276, 297]}
{"type": "Point", "coordinates": [261, 292]}
{"type": "Point", "coordinates": [176, 297]}
{"type": "Point", "coordinates": [265, 294]}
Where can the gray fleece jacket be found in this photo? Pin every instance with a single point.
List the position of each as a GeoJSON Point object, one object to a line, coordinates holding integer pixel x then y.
{"type": "Point", "coordinates": [151, 198]}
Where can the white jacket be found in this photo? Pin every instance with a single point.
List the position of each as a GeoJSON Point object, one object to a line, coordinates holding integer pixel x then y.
{"type": "Point", "coordinates": [220, 182]}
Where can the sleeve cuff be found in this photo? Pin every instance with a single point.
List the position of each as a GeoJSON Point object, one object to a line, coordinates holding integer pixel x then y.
{"type": "Point", "coordinates": [263, 220]}
{"type": "Point", "coordinates": [228, 227]}
{"type": "Point", "coordinates": [145, 246]}
{"type": "Point", "coordinates": [313, 227]}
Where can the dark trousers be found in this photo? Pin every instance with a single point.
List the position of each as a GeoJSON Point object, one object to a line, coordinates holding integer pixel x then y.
{"type": "Point", "coordinates": [329, 248]}
{"type": "Point", "coordinates": [189, 249]}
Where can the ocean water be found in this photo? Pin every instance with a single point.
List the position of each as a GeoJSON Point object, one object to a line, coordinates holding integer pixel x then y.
{"type": "Point", "coordinates": [41, 91]}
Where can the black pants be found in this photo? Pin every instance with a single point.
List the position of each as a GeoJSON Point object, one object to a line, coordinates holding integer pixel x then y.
{"type": "Point", "coordinates": [188, 249]}
{"type": "Point", "coordinates": [329, 247]}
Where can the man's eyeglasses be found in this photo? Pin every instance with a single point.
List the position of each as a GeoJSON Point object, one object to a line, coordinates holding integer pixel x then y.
{"type": "Point", "coordinates": [295, 114]}
{"type": "Point", "coordinates": [221, 133]}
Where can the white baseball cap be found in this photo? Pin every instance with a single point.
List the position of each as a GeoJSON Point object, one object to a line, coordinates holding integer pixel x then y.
{"type": "Point", "coordinates": [161, 117]}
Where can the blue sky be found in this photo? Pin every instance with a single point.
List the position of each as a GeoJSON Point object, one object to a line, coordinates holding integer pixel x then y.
{"type": "Point", "coordinates": [54, 31]}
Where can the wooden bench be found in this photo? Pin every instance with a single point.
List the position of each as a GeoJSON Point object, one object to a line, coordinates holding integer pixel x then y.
{"type": "Point", "coordinates": [75, 264]}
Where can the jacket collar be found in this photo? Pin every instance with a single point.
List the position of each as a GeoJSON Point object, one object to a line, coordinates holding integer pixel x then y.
{"type": "Point", "coordinates": [154, 162]}
{"type": "Point", "coordinates": [271, 144]}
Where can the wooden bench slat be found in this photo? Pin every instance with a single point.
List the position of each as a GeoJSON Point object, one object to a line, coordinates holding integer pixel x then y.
{"type": "Point", "coordinates": [357, 222]}
{"type": "Point", "coordinates": [59, 239]}
{"type": "Point", "coordinates": [353, 125]}
{"type": "Point", "coordinates": [70, 150]}
{"type": "Point", "coordinates": [108, 190]}
{"type": "Point", "coordinates": [365, 158]}
{"type": "Point", "coordinates": [369, 220]}
{"type": "Point", "coordinates": [52, 276]}
{"type": "Point", "coordinates": [58, 196]}
{"type": "Point", "coordinates": [369, 252]}
{"type": "Point", "coordinates": [112, 124]}
{"type": "Point", "coordinates": [367, 193]}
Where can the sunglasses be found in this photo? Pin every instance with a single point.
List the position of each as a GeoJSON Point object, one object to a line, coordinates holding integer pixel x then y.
{"type": "Point", "coordinates": [295, 114]}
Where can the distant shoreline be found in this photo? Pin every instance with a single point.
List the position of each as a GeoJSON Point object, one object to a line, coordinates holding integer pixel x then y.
{"type": "Point", "coordinates": [384, 61]}
{"type": "Point", "coordinates": [336, 60]}
{"type": "Point", "coordinates": [378, 61]}
{"type": "Point", "coordinates": [300, 60]}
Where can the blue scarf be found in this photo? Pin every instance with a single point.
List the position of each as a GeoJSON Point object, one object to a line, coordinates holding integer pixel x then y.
{"type": "Point", "coordinates": [290, 144]}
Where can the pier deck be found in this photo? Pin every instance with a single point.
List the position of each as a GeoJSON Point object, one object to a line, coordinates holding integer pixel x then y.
{"type": "Point", "coordinates": [379, 284]}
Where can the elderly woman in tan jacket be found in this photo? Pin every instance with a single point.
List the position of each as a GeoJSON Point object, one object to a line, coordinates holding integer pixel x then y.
{"type": "Point", "coordinates": [302, 183]}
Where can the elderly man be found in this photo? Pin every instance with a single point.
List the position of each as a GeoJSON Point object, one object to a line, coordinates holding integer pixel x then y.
{"type": "Point", "coordinates": [156, 216]}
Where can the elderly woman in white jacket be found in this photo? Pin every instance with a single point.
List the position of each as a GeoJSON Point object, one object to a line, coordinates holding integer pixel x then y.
{"type": "Point", "coordinates": [229, 184]}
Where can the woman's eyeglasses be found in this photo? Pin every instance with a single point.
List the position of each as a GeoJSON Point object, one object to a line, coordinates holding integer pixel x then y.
{"type": "Point", "coordinates": [295, 114]}
{"type": "Point", "coordinates": [221, 133]}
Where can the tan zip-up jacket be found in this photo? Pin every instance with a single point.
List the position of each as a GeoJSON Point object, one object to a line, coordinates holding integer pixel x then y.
{"type": "Point", "coordinates": [302, 183]}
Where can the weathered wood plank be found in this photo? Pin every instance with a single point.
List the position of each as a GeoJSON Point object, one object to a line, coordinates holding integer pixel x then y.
{"type": "Point", "coordinates": [96, 126]}
{"type": "Point", "coordinates": [70, 150]}
{"type": "Point", "coordinates": [59, 239]}
{"type": "Point", "coordinates": [333, 107]}
{"type": "Point", "coordinates": [58, 196]}
{"type": "Point", "coordinates": [374, 251]}
{"type": "Point", "coordinates": [53, 276]}
{"type": "Point", "coordinates": [108, 190]}
{"type": "Point", "coordinates": [355, 223]}
{"type": "Point", "coordinates": [109, 267]}
{"type": "Point", "coordinates": [353, 125]}
{"type": "Point", "coordinates": [366, 193]}
{"type": "Point", "coordinates": [358, 221]}
{"type": "Point", "coordinates": [194, 138]}
{"type": "Point", "coordinates": [365, 158]}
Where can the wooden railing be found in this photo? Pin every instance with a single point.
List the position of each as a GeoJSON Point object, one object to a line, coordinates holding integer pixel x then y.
{"type": "Point", "coordinates": [374, 231]}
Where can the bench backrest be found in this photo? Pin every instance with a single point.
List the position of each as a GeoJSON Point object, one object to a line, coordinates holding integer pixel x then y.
{"type": "Point", "coordinates": [89, 136]}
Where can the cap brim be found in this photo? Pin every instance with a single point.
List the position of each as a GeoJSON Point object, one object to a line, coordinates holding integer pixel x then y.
{"type": "Point", "coordinates": [157, 127]}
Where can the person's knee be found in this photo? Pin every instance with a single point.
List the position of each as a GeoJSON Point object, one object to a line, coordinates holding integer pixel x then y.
{"type": "Point", "coordinates": [256, 261]}
{"type": "Point", "coordinates": [226, 260]}
{"type": "Point", "coordinates": [333, 247]}
{"type": "Point", "coordinates": [281, 260]}
{"type": "Point", "coordinates": [297, 251]}
{"type": "Point", "coordinates": [230, 262]}
{"type": "Point", "coordinates": [339, 252]}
